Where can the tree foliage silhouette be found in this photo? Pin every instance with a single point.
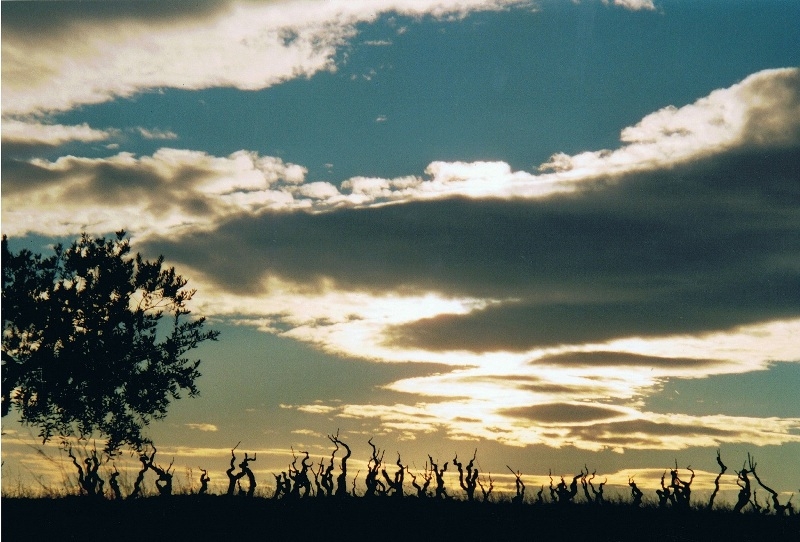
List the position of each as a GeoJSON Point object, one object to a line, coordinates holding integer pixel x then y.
{"type": "Point", "coordinates": [86, 347]}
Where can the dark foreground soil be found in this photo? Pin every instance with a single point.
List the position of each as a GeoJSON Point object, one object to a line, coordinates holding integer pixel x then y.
{"type": "Point", "coordinates": [217, 518]}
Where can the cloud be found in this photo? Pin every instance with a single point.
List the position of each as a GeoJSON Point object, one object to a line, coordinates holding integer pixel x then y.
{"type": "Point", "coordinates": [711, 303]}
{"type": "Point", "coordinates": [701, 246]}
{"type": "Point", "coordinates": [177, 188]}
{"type": "Point", "coordinates": [763, 110]}
{"type": "Point", "coordinates": [318, 190]}
{"type": "Point", "coordinates": [308, 432]}
{"type": "Point", "coordinates": [36, 133]}
{"type": "Point", "coordinates": [722, 139]}
{"type": "Point", "coordinates": [621, 359]}
{"type": "Point", "coordinates": [584, 427]}
{"type": "Point", "coordinates": [24, 138]}
{"type": "Point", "coordinates": [156, 133]}
{"type": "Point", "coordinates": [315, 409]}
{"type": "Point", "coordinates": [633, 5]}
{"type": "Point", "coordinates": [170, 189]}
{"type": "Point", "coordinates": [205, 427]}
{"type": "Point", "coordinates": [563, 413]}
{"type": "Point", "coordinates": [92, 56]}
{"type": "Point", "coordinates": [557, 299]}
{"type": "Point", "coordinates": [687, 226]}
{"type": "Point", "coordinates": [679, 431]}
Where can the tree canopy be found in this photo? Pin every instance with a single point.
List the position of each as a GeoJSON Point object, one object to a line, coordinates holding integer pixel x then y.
{"type": "Point", "coordinates": [95, 340]}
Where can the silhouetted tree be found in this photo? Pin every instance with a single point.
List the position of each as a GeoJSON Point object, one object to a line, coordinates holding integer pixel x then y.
{"type": "Point", "coordinates": [636, 494]}
{"type": "Point", "coordinates": [664, 494]}
{"type": "Point", "coordinates": [319, 491]}
{"type": "Point", "coordinates": [780, 509]}
{"type": "Point", "coordinates": [244, 470]}
{"type": "Point", "coordinates": [486, 491]}
{"type": "Point", "coordinates": [565, 494]}
{"type": "Point", "coordinates": [88, 479]}
{"type": "Point", "coordinates": [756, 505]}
{"type": "Point", "coordinates": [251, 478]}
{"type": "Point", "coordinates": [440, 492]}
{"type": "Point", "coordinates": [598, 493]}
{"type": "Point", "coordinates": [573, 487]}
{"type": "Point", "coordinates": [113, 483]}
{"type": "Point", "coordinates": [519, 498]}
{"type": "Point", "coordinates": [553, 492]}
{"type": "Point", "coordinates": [585, 485]}
{"type": "Point", "coordinates": [341, 480]}
{"type": "Point", "coordinates": [744, 490]}
{"type": "Point", "coordinates": [374, 485]}
{"type": "Point", "coordinates": [283, 485]}
{"type": "Point", "coordinates": [470, 482]}
{"type": "Point", "coordinates": [681, 490]}
{"type": "Point", "coordinates": [204, 480]}
{"type": "Point", "coordinates": [145, 460]}
{"type": "Point", "coordinates": [327, 474]}
{"type": "Point", "coordinates": [722, 469]}
{"type": "Point", "coordinates": [422, 490]}
{"type": "Point", "coordinates": [84, 348]}
{"type": "Point", "coordinates": [164, 480]}
{"type": "Point", "coordinates": [395, 484]}
{"type": "Point", "coordinates": [300, 476]}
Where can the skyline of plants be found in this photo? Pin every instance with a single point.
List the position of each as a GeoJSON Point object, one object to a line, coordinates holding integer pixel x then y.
{"type": "Point", "coordinates": [93, 474]}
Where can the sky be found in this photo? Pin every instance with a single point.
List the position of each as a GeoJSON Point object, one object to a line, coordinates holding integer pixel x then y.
{"type": "Point", "coordinates": [562, 233]}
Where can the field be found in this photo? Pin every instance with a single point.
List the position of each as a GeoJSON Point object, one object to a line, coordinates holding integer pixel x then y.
{"type": "Point", "coordinates": [206, 517]}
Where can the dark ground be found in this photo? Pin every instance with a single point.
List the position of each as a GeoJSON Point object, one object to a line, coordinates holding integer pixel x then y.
{"type": "Point", "coordinates": [219, 518]}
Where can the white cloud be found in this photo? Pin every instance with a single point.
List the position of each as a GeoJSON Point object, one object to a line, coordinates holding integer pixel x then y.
{"type": "Point", "coordinates": [341, 322]}
{"type": "Point", "coordinates": [205, 427]}
{"type": "Point", "coordinates": [37, 133]}
{"type": "Point", "coordinates": [318, 190]}
{"type": "Point", "coordinates": [156, 133]}
{"type": "Point", "coordinates": [173, 188]}
{"type": "Point", "coordinates": [763, 109]}
{"type": "Point", "coordinates": [634, 5]}
{"type": "Point", "coordinates": [315, 409]}
{"type": "Point", "coordinates": [243, 45]}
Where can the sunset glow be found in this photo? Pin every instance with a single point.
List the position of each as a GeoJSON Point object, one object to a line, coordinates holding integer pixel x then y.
{"type": "Point", "coordinates": [558, 232]}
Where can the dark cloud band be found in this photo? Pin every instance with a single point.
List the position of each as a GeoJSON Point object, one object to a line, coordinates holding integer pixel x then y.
{"type": "Point", "coordinates": [697, 247]}
{"type": "Point", "coordinates": [562, 413]}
